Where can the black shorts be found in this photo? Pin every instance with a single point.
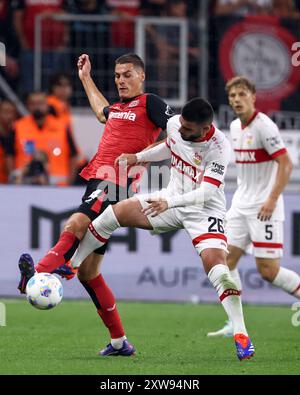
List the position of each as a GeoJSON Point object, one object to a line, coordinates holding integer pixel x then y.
{"type": "Point", "coordinates": [99, 194]}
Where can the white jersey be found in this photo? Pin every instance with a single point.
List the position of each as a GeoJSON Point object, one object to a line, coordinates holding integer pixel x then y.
{"type": "Point", "coordinates": [255, 146]}
{"type": "Point", "coordinates": [196, 162]}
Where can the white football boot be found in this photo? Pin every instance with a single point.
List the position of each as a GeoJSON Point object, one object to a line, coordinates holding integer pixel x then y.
{"type": "Point", "coordinates": [226, 331]}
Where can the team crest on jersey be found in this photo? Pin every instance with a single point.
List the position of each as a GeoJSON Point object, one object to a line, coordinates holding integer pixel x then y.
{"type": "Point", "coordinates": [249, 139]}
{"type": "Point", "coordinates": [134, 103]}
{"type": "Point", "coordinates": [197, 159]}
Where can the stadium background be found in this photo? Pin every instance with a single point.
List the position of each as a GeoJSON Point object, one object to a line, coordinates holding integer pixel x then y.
{"type": "Point", "coordinates": [188, 50]}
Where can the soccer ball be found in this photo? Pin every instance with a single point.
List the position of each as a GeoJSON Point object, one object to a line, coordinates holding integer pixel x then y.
{"type": "Point", "coordinates": [44, 291]}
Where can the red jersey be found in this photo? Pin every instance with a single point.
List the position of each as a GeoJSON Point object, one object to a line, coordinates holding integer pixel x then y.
{"type": "Point", "coordinates": [131, 126]}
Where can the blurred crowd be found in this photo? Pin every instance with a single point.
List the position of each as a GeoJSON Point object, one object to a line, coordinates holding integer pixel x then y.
{"type": "Point", "coordinates": [17, 23]}
{"type": "Point", "coordinates": [39, 148]}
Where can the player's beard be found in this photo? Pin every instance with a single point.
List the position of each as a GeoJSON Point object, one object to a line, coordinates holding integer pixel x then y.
{"type": "Point", "coordinates": [191, 138]}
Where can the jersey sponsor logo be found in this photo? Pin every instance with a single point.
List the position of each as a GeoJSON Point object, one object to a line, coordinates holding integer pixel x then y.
{"type": "Point", "coordinates": [252, 156]}
{"type": "Point", "coordinates": [134, 103]}
{"type": "Point", "coordinates": [122, 115]}
{"type": "Point", "coordinates": [186, 168]}
{"type": "Point", "coordinates": [217, 168]}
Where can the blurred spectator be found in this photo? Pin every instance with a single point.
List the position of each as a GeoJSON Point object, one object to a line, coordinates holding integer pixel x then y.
{"type": "Point", "coordinates": [166, 40]}
{"type": "Point", "coordinates": [53, 38]}
{"type": "Point", "coordinates": [8, 37]}
{"type": "Point", "coordinates": [93, 36]}
{"type": "Point", "coordinates": [61, 91]}
{"type": "Point", "coordinates": [285, 9]}
{"type": "Point", "coordinates": [42, 132]}
{"type": "Point", "coordinates": [8, 115]}
{"type": "Point", "coordinates": [35, 172]}
{"type": "Point", "coordinates": [122, 32]}
{"type": "Point", "coordinates": [241, 7]}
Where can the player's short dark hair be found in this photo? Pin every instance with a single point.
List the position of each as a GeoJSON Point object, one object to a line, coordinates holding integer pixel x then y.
{"type": "Point", "coordinates": [240, 80]}
{"type": "Point", "coordinates": [131, 58]}
{"type": "Point", "coordinates": [198, 110]}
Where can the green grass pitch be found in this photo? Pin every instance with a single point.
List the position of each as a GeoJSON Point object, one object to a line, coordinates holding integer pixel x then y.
{"type": "Point", "coordinates": [170, 339]}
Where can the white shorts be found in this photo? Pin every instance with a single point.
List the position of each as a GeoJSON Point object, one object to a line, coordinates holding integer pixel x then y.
{"type": "Point", "coordinates": [246, 231]}
{"type": "Point", "coordinates": [205, 230]}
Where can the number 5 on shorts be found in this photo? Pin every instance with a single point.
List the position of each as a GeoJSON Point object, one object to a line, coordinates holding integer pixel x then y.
{"type": "Point", "coordinates": [269, 232]}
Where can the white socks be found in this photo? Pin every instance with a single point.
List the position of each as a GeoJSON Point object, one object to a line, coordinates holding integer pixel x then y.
{"type": "Point", "coordinates": [236, 278]}
{"type": "Point", "coordinates": [289, 281]}
{"type": "Point", "coordinates": [229, 295]}
{"type": "Point", "coordinates": [98, 233]}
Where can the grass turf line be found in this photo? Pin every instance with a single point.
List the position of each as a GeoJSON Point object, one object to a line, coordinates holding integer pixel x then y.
{"type": "Point", "coordinates": [169, 338]}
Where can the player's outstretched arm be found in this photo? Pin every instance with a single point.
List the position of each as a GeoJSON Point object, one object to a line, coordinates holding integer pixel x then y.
{"type": "Point", "coordinates": [284, 170]}
{"type": "Point", "coordinates": [96, 99]}
{"type": "Point", "coordinates": [155, 154]}
{"type": "Point", "coordinates": [198, 196]}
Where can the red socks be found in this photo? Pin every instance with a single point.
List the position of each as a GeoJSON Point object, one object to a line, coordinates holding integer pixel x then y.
{"type": "Point", "coordinates": [105, 303]}
{"type": "Point", "coordinates": [98, 290]}
{"type": "Point", "coordinates": [61, 253]}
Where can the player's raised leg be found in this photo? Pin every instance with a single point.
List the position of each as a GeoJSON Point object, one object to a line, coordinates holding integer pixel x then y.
{"type": "Point", "coordinates": [58, 255]}
{"type": "Point", "coordinates": [125, 213]}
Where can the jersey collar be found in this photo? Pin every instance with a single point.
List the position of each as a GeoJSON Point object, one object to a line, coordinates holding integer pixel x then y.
{"type": "Point", "coordinates": [250, 120]}
{"type": "Point", "coordinates": [130, 99]}
{"type": "Point", "coordinates": [208, 136]}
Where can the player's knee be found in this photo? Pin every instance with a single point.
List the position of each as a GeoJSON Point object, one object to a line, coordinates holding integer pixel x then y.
{"type": "Point", "coordinates": [90, 267]}
{"type": "Point", "coordinates": [121, 211]}
{"type": "Point", "coordinates": [267, 273]}
{"type": "Point", "coordinates": [86, 273]}
{"type": "Point", "coordinates": [77, 225]}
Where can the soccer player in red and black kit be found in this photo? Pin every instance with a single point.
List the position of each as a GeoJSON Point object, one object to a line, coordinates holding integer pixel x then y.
{"type": "Point", "coordinates": [132, 124]}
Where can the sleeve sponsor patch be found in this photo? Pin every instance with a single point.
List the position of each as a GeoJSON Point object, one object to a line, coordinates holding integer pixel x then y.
{"type": "Point", "coordinates": [217, 168]}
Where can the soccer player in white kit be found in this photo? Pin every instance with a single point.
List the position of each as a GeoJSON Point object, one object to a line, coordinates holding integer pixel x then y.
{"type": "Point", "coordinates": [257, 212]}
{"type": "Point", "coordinates": [194, 200]}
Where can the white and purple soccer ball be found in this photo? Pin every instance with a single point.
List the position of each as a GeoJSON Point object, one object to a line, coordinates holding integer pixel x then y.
{"type": "Point", "coordinates": [44, 291]}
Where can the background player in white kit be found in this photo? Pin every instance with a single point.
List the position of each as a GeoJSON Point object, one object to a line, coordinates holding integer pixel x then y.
{"type": "Point", "coordinates": [257, 212]}
{"type": "Point", "coordinates": [194, 200]}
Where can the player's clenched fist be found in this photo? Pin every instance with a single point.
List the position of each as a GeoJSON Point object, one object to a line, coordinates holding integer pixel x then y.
{"type": "Point", "coordinates": [126, 160]}
{"type": "Point", "coordinates": [155, 207]}
{"type": "Point", "coordinates": [84, 66]}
